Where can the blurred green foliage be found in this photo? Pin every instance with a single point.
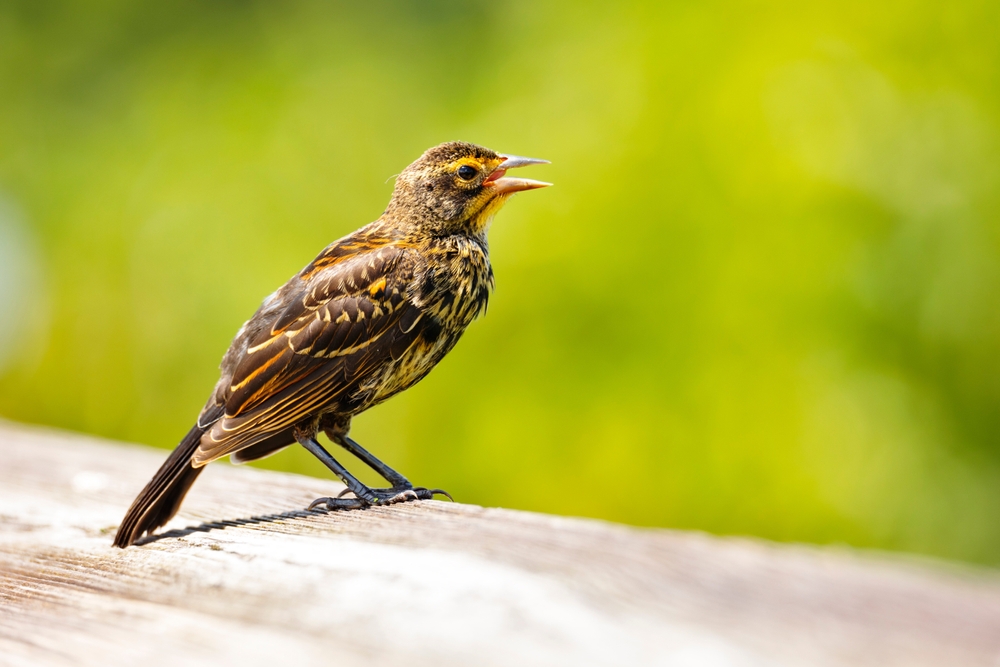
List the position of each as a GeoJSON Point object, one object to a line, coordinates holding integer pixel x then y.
{"type": "Point", "coordinates": [763, 297]}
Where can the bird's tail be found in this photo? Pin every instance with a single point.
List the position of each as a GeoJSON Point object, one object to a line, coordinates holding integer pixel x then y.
{"type": "Point", "coordinates": [162, 497]}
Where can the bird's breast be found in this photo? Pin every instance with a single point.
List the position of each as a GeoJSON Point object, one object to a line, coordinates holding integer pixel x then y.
{"type": "Point", "coordinates": [455, 285]}
{"type": "Point", "coordinates": [450, 292]}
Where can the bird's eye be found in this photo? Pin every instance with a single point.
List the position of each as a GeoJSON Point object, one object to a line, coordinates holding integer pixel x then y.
{"type": "Point", "coordinates": [467, 173]}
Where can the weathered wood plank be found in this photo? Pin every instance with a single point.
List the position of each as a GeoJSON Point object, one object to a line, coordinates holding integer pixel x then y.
{"type": "Point", "coordinates": [434, 582]}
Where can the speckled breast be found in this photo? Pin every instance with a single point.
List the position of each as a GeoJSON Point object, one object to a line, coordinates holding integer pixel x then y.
{"type": "Point", "coordinates": [450, 293]}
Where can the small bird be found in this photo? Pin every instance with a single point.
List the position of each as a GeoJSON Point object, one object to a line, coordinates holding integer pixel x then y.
{"type": "Point", "coordinates": [366, 319]}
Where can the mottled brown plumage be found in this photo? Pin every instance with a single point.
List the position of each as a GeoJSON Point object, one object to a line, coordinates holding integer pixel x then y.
{"type": "Point", "coordinates": [369, 317]}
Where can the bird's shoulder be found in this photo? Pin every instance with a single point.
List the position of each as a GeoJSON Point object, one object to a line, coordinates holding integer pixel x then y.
{"type": "Point", "coordinates": [344, 277]}
{"type": "Point", "coordinates": [348, 298]}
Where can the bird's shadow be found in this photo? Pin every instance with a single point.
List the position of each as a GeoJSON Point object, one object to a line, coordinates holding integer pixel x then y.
{"type": "Point", "coordinates": [209, 526]}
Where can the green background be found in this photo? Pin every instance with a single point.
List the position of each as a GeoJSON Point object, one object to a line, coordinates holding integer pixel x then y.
{"type": "Point", "coordinates": [762, 298]}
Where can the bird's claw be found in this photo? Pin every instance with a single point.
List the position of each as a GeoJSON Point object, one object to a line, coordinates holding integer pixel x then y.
{"type": "Point", "coordinates": [338, 503]}
{"type": "Point", "coordinates": [436, 492]}
{"type": "Point", "coordinates": [380, 497]}
{"type": "Point", "coordinates": [392, 496]}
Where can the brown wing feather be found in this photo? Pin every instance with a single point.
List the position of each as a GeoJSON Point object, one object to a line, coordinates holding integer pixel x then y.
{"type": "Point", "coordinates": [342, 325]}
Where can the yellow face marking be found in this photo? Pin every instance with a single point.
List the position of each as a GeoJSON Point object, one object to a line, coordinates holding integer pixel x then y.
{"type": "Point", "coordinates": [486, 200]}
{"type": "Point", "coordinates": [468, 162]}
{"type": "Point", "coordinates": [481, 220]}
{"type": "Point", "coordinates": [483, 169]}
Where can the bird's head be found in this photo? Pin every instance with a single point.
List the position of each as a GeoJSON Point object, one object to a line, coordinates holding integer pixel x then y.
{"type": "Point", "coordinates": [458, 187]}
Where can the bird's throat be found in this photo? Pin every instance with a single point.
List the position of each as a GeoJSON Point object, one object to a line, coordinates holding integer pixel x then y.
{"type": "Point", "coordinates": [480, 222]}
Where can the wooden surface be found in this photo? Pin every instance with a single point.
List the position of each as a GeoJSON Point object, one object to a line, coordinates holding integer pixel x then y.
{"type": "Point", "coordinates": [261, 582]}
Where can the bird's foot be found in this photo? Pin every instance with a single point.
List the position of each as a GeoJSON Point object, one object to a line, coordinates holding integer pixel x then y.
{"type": "Point", "coordinates": [338, 504]}
{"type": "Point", "coordinates": [379, 497]}
{"type": "Point", "coordinates": [402, 494]}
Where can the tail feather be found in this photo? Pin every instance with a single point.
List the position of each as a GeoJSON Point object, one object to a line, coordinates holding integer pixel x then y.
{"type": "Point", "coordinates": [161, 498]}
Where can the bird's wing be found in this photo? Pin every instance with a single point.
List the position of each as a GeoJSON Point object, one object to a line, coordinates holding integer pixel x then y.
{"type": "Point", "coordinates": [342, 323]}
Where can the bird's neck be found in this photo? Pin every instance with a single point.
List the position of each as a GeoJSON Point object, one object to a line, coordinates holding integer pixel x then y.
{"type": "Point", "coordinates": [398, 227]}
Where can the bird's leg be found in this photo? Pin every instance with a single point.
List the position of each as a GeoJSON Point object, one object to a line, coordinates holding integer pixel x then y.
{"type": "Point", "coordinates": [363, 495]}
{"type": "Point", "coordinates": [401, 491]}
{"type": "Point", "coordinates": [388, 474]}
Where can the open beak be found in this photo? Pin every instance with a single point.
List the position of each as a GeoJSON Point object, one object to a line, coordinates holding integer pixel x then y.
{"type": "Point", "coordinates": [504, 185]}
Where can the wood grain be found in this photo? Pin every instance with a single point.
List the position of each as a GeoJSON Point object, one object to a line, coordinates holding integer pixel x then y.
{"type": "Point", "coordinates": [258, 581]}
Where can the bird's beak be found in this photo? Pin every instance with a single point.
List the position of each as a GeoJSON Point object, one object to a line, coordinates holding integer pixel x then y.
{"type": "Point", "coordinates": [504, 185]}
{"type": "Point", "coordinates": [513, 161]}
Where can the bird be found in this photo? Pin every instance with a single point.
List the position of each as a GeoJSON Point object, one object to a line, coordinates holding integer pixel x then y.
{"type": "Point", "coordinates": [369, 317]}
